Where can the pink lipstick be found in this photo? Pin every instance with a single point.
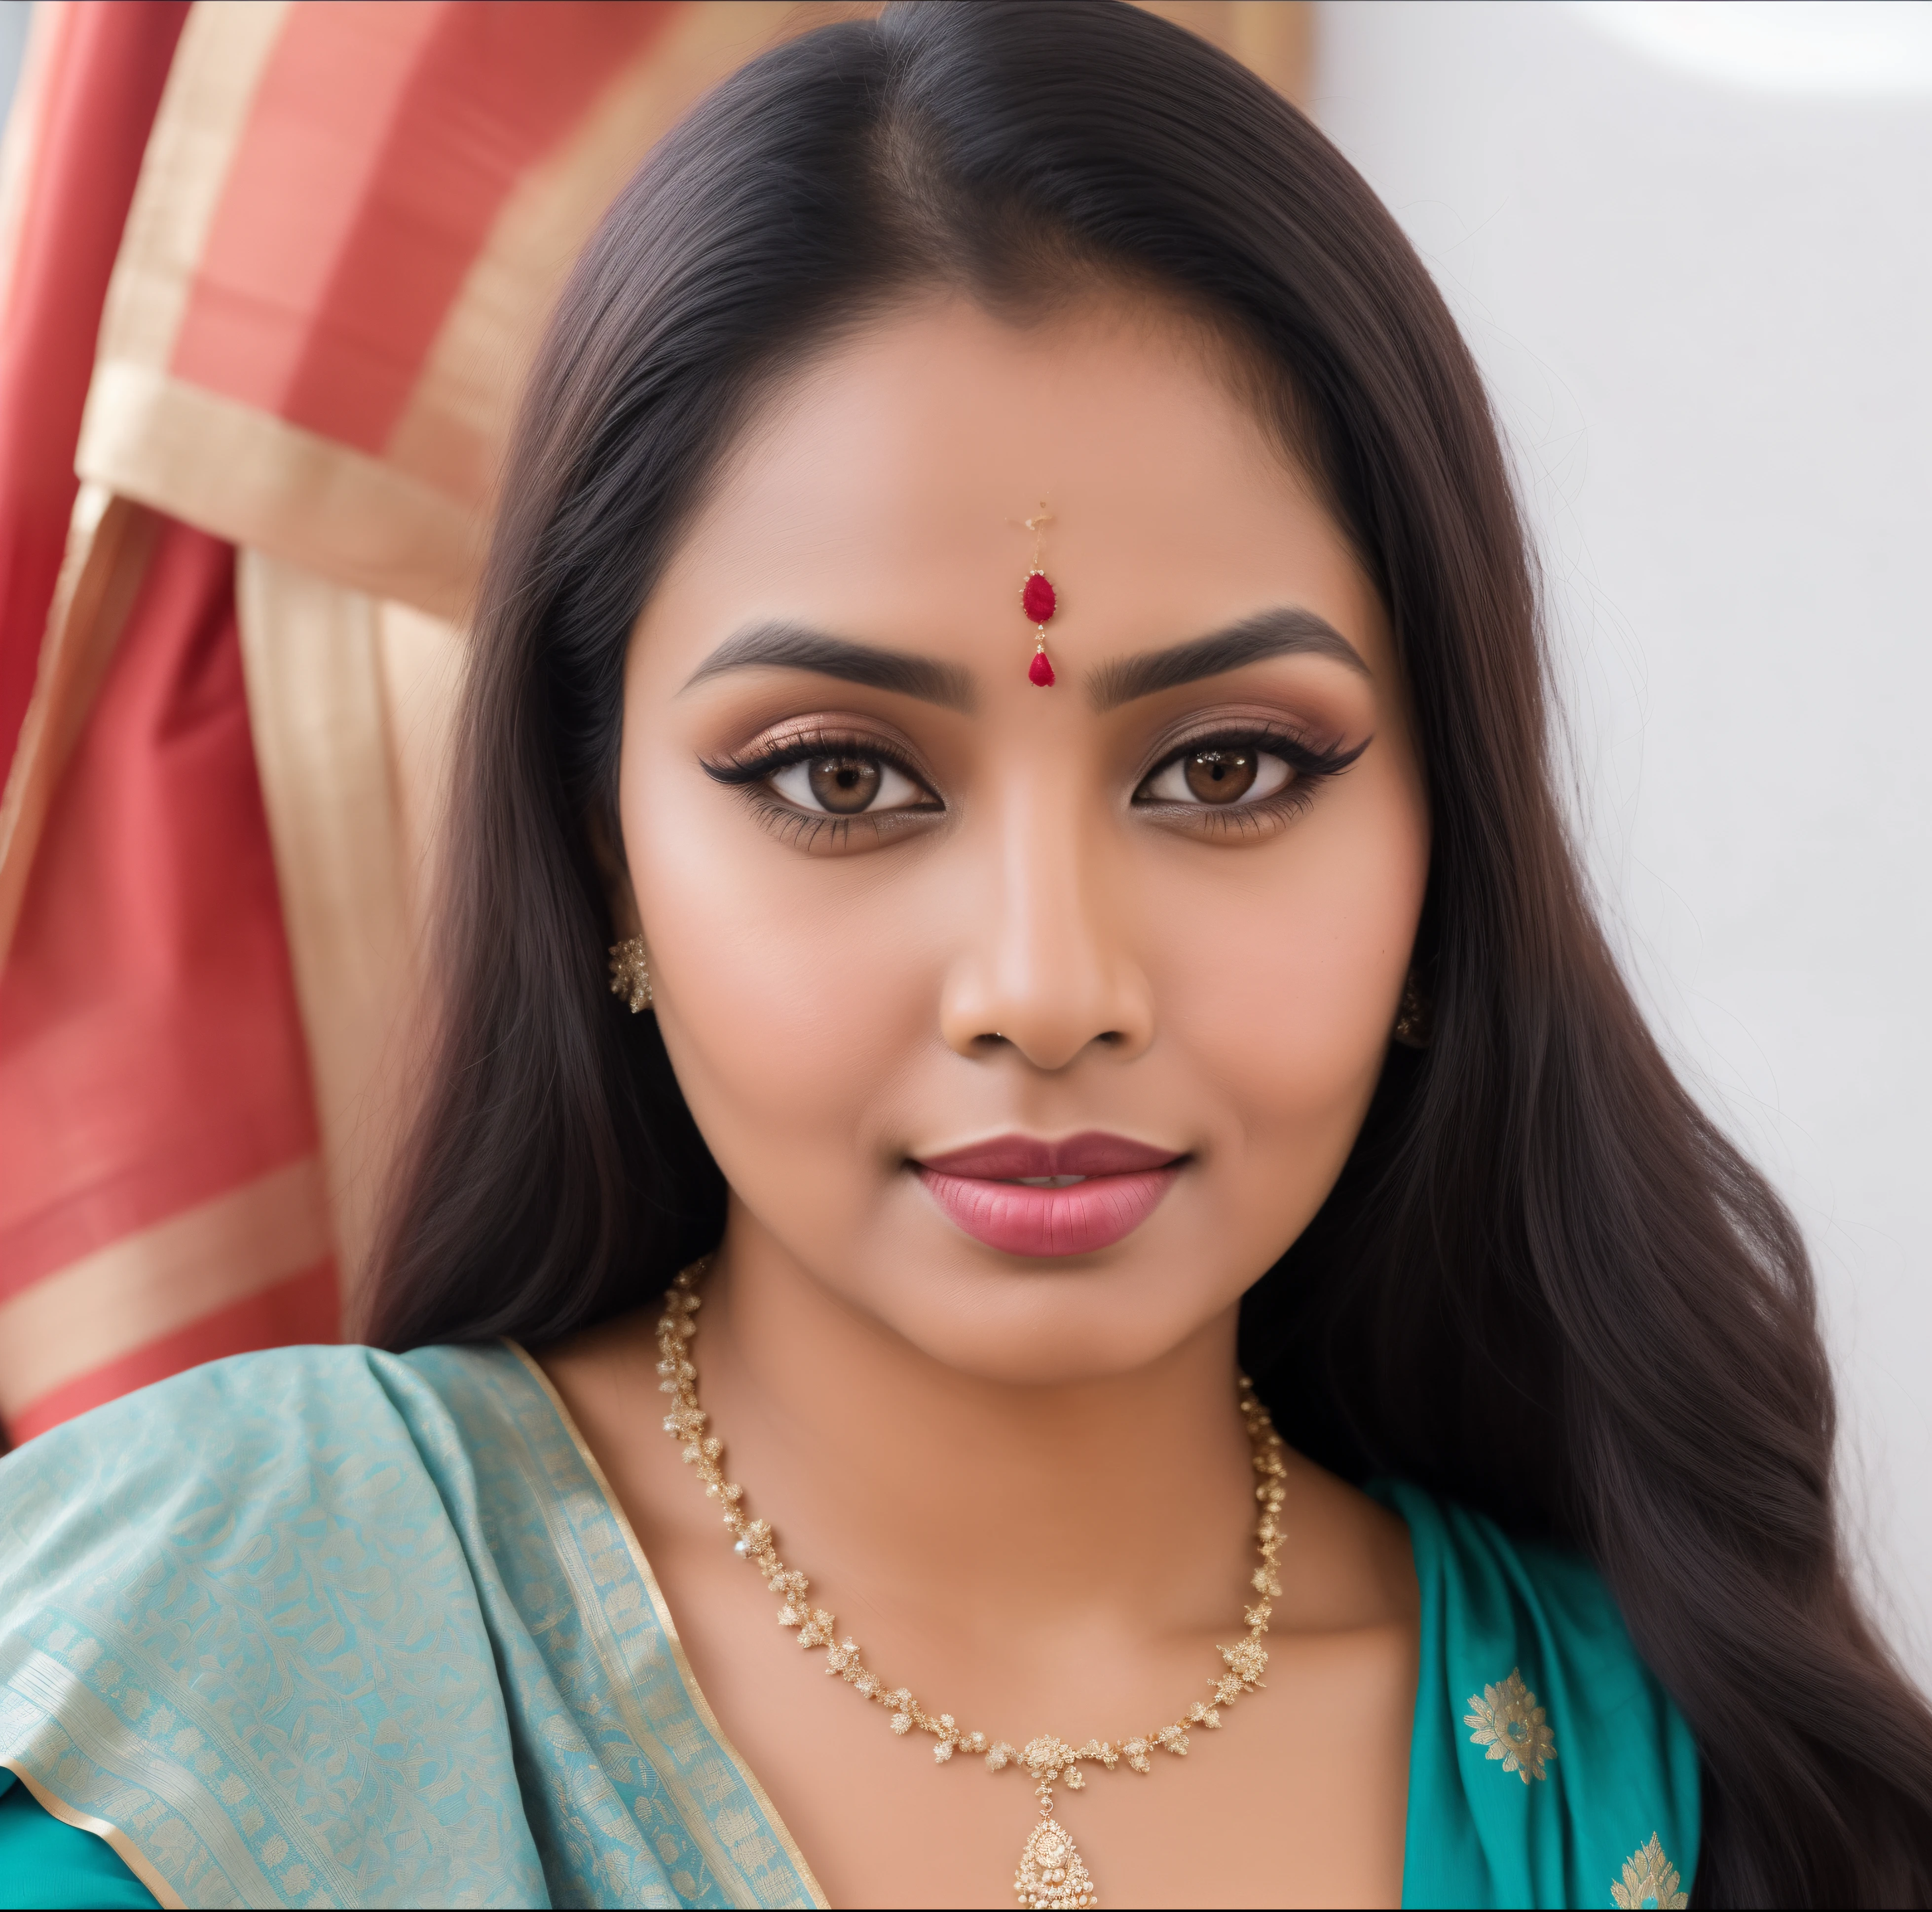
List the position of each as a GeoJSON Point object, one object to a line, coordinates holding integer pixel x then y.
{"type": "Point", "coordinates": [1074, 1197]}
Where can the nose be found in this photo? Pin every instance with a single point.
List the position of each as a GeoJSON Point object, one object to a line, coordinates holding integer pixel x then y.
{"type": "Point", "coordinates": [1045, 968]}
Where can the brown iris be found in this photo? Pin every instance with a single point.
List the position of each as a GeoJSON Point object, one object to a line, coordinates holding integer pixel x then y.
{"type": "Point", "coordinates": [845, 784]}
{"type": "Point", "coordinates": [1220, 776]}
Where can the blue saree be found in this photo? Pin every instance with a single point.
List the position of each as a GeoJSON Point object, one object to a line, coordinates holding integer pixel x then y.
{"type": "Point", "coordinates": [323, 1626]}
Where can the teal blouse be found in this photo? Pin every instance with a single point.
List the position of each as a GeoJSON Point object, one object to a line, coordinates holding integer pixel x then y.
{"type": "Point", "coordinates": [325, 1626]}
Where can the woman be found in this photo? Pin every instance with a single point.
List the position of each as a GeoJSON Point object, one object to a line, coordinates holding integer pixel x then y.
{"type": "Point", "coordinates": [1009, 626]}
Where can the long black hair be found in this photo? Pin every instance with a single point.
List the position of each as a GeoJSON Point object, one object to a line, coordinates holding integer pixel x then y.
{"type": "Point", "coordinates": [1545, 1284]}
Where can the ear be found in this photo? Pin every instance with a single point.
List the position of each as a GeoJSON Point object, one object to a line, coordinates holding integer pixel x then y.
{"type": "Point", "coordinates": [605, 836]}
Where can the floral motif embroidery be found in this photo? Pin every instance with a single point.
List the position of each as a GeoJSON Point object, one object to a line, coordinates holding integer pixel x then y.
{"type": "Point", "coordinates": [1649, 1879]}
{"type": "Point", "coordinates": [1516, 1729]}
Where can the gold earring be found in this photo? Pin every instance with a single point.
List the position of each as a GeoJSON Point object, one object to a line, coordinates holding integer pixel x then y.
{"type": "Point", "coordinates": [1412, 1022]}
{"type": "Point", "coordinates": [631, 973]}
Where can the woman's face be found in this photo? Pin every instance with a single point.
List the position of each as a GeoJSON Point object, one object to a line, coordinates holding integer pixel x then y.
{"type": "Point", "coordinates": [928, 940]}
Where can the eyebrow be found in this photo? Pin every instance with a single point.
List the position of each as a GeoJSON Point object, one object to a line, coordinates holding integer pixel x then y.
{"type": "Point", "coordinates": [798, 647]}
{"type": "Point", "coordinates": [1285, 632]}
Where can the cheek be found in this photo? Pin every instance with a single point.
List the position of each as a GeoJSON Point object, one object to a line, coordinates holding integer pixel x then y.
{"type": "Point", "coordinates": [793, 988]}
{"type": "Point", "coordinates": [1285, 988]}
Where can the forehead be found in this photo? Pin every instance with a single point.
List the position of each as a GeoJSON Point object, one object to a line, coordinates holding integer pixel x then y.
{"type": "Point", "coordinates": [942, 426]}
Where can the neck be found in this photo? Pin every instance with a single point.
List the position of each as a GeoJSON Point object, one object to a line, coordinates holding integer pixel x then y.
{"type": "Point", "coordinates": [916, 1480]}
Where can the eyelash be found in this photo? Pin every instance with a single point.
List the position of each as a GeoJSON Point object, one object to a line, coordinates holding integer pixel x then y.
{"type": "Point", "coordinates": [1310, 767]}
{"type": "Point", "coordinates": [752, 774]}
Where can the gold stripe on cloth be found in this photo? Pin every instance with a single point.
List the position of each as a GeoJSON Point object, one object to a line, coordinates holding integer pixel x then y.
{"type": "Point", "coordinates": [147, 1284]}
{"type": "Point", "coordinates": [582, 1533]}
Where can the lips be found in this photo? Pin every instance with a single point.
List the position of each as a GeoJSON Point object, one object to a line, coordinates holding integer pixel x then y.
{"type": "Point", "coordinates": [985, 1190]}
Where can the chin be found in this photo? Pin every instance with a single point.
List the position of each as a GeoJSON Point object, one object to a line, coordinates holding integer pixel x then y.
{"type": "Point", "coordinates": [1037, 1322]}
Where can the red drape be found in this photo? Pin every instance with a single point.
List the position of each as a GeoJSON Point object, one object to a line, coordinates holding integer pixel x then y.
{"type": "Point", "coordinates": [153, 1072]}
{"type": "Point", "coordinates": [100, 71]}
{"type": "Point", "coordinates": [151, 1058]}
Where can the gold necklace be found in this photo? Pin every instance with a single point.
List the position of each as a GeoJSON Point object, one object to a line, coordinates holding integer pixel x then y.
{"type": "Point", "coordinates": [1051, 1872]}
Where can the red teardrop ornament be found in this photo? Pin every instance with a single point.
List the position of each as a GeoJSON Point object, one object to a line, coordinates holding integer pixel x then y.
{"type": "Point", "coordinates": [1040, 670]}
{"type": "Point", "coordinates": [1037, 599]}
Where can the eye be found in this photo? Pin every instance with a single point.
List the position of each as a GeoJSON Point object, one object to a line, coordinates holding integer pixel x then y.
{"type": "Point", "coordinates": [844, 784]}
{"type": "Point", "coordinates": [1219, 775]}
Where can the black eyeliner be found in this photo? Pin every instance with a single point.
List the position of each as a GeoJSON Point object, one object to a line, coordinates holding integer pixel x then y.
{"type": "Point", "coordinates": [756, 768]}
{"type": "Point", "coordinates": [1311, 766]}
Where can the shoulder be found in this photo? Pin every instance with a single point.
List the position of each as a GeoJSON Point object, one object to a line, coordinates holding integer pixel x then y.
{"type": "Point", "coordinates": [330, 1423]}
{"type": "Point", "coordinates": [1549, 1766]}
{"type": "Point", "coordinates": [243, 1606]}
{"type": "Point", "coordinates": [257, 1467]}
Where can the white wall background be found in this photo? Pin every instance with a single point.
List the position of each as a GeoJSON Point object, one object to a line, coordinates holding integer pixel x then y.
{"type": "Point", "coordinates": [1692, 246]}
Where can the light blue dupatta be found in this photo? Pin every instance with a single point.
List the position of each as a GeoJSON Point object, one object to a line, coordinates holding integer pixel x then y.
{"type": "Point", "coordinates": [327, 1627]}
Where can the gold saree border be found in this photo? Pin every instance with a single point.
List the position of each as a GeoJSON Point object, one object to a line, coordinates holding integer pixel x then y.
{"type": "Point", "coordinates": [572, 1540]}
{"type": "Point", "coordinates": [243, 476]}
{"type": "Point", "coordinates": [156, 1280]}
{"type": "Point", "coordinates": [318, 713]}
{"type": "Point", "coordinates": [108, 543]}
{"type": "Point", "coordinates": [124, 1849]}
{"type": "Point", "coordinates": [65, 1708]}
{"type": "Point", "coordinates": [205, 105]}
{"type": "Point", "coordinates": [640, 1562]}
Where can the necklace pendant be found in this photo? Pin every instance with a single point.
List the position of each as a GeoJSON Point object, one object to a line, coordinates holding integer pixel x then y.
{"type": "Point", "coordinates": [1051, 1873]}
